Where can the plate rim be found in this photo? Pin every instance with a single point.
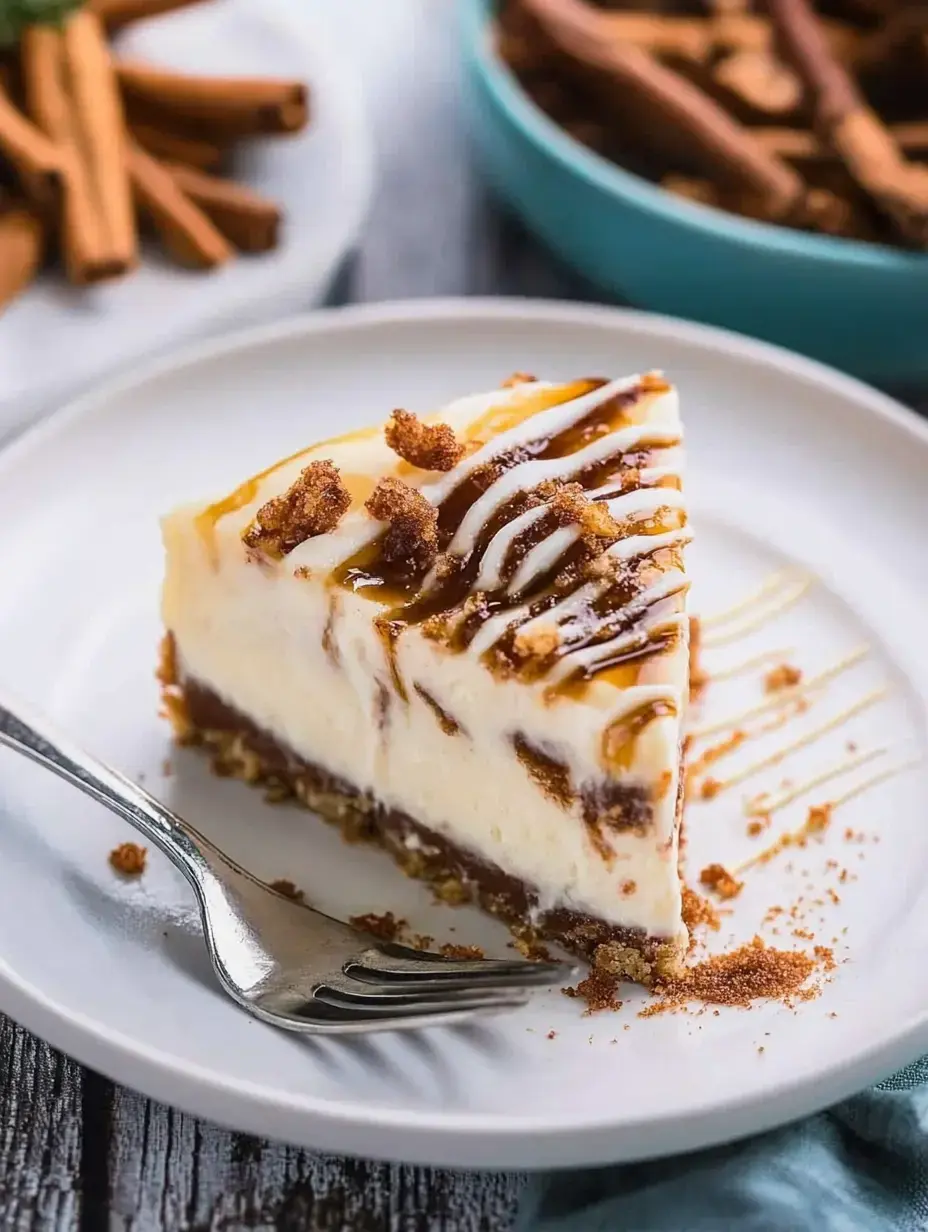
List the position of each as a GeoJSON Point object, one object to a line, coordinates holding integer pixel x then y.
{"type": "Point", "coordinates": [441, 1138]}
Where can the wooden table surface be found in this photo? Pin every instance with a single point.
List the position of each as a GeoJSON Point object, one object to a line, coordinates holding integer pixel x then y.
{"type": "Point", "coordinates": [77, 1151]}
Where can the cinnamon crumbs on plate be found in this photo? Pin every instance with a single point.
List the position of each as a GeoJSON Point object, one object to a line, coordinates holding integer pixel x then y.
{"type": "Point", "coordinates": [285, 887]}
{"type": "Point", "coordinates": [431, 447]}
{"type": "Point", "coordinates": [129, 859]}
{"type": "Point", "coordinates": [451, 950]}
{"type": "Point", "coordinates": [752, 972]}
{"type": "Point", "coordinates": [412, 534]}
{"type": "Point", "coordinates": [783, 676]}
{"type": "Point", "coordinates": [597, 990]}
{"type": "Point", "coordinates": [698, 677]}
{"type": "Point", "coordinates": [313, 505]}
{"type": "Point", "coordinates": [386, 927]}
{"type": "Point", "coordinates": [698, 911]}
{"type": "Point", "coordinates": [717, 878]}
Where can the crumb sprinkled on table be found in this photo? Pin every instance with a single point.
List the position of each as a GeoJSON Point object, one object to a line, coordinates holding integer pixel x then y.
{"type": "Point", "coordinates": [598, 990]}
{"type": "Point", "coordinates": [718, 879]}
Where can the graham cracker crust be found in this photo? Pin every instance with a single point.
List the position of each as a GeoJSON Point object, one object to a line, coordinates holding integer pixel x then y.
{"type": "Point", "coordinates": [240, 749]}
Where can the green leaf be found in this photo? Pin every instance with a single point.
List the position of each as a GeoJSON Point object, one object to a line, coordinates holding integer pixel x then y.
{"type": "Point", "coordinates": [17, 14]}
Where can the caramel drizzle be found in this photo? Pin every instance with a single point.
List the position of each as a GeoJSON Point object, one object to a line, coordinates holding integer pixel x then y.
{"type": "Point", "coordinates": [811, 737]}
{"type": "Point", "coordinates": [766, 804]}
{"type": "Point", "coordinates": [792, 838]}
{"type": "Point", "coordinates": [744, 666]}
{"type": "Point", "coordinates": [777, 701]}
{"type": "Point", "coordinates": [770, 601]}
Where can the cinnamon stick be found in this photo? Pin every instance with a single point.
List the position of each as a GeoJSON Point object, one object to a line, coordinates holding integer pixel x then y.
{"type": "Point", "coordinates": [827, 212]}
{"type": "Point", "coordinates": [117, 13]}
{"type": "Point", "coordinates": [845, 122]}
{"type": "Point", "coordinates": [88, 256]}
{"type": "Point", "coordinates": [237, 106]}
{"type": "Point", "coordinates": [801, 146]}
{"type": "Point", "coordinates": [102, 127]}
{"type": "Point", "coordinates": [29, 151]}
{"type": "Point", "coordinates": [723, 144]}
{"type": "Point", "coordinates": [186, 232]}
{"type": "Point", "coordinates": [176, 147]}
{"type": "Point", "coordinates": [248, 220]}
{"type": "Point", "coordinates": [21, 243]}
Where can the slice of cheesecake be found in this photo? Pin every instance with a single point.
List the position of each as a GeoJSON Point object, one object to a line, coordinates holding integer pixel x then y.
{"type": "Point", "coordinates": [463, 637]}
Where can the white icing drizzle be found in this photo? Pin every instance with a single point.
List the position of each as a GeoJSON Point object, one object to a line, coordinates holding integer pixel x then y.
{"type": "Point", "coordinates": [528, 475]}
{"type": "Point", "coordinates": [547, 423]}
{"type": "Point", "coordinates": [627, 641]}
{"type": "Point", "coordinates": [546, 554]}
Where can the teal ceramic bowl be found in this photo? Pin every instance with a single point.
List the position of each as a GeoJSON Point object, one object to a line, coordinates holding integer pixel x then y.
{"type": "Point", "coordinates": [861, 307]}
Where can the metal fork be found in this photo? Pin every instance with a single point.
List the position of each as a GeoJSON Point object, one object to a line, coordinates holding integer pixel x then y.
{"type": "Point", "coordinates": [281, 960]}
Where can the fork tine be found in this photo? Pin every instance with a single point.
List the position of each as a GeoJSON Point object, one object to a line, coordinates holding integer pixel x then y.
{"type": "Point", "coordinates": [398, 961]}
{"type": "Point", "coordinates": [429, 1002]}
{"type": "Point", "coordinates": [423, 982]}
{"type": "Point", "coordinates": [318, 1018]}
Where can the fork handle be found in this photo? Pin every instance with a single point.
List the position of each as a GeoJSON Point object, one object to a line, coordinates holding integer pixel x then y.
{"type": "Point", "coordinates": [34, 737]}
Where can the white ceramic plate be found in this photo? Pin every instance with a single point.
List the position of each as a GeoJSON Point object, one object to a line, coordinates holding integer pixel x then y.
{"type": "Point", "coordinates": [54, 340]}
{"type": "Point", "coordinates": [789, 463]}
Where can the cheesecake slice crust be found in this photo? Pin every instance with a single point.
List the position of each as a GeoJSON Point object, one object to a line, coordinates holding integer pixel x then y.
{"type": "Point", "coordinates": [465, 639]}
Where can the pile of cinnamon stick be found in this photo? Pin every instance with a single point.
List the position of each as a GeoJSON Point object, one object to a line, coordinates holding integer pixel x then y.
{"type": "Point", "coordinates": [808, 117]}
{"type": "Point", "coordinates": [92, 147]}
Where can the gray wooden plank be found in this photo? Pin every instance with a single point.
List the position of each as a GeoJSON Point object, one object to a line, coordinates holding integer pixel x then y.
{"type": "Point", "coordinates": [40, 1133]}
{"type": "Point", "coordinates": [170, 1171]}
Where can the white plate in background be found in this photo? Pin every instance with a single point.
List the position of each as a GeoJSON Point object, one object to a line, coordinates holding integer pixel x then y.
{"type": "Point", "coordinates": [55, 339]}
{"type": "Point", "coordinates": [789, 464]}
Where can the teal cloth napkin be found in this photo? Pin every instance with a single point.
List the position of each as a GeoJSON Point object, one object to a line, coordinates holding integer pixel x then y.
{"type": "Point", "coordinates": [862, 1166]}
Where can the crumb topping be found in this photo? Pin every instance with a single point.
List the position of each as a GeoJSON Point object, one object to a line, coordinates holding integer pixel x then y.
{"type": "Point", "coordinates": [537, 643]}
{"type": "Point", "coordinates": [570, 505]}
{"type": "Point", "coordinates": [386, 927]}
{"type": "Point", "coordinates": [285, 887]}
{"type": "Point", "coordinates": [166, 672]}
{"type": "Point", "coordinates": [412, 535]}
{"type": "Point", "coordinates": [783, 676]}
{"type": "Point", "coordinates": [718, 879]}
{"type": "Point", "coordinates": [518, 378]}
{"type": "Point", "coordinates": [598, 990]}
{"type": "Point", "coordinates": [313, 505]}
{"type": "Point", "coordinates": [129, 859]}
{"type": "Point", "coordinates": [431, 447]}
{"type": "Point", "coordinates": [450, 950]}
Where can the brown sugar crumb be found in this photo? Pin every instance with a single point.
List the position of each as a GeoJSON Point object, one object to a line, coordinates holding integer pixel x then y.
{"type": "Point", "coordinates": [533, 950]}
{"type": "Point", "coordinates": [716, 752]}
{"type": "Point", "coordinates": [551, 1035]}
{"type": "Point", "coordinates": [718, 879]}
{"type": "Point", "coordinates": [518, 378]}
{"type": "Point", "coordinates": [698, 911]}
{"type": "Point", "coordinates": [431, 447]}
{"type": "Point", "coordinates": [536, 643]}
{"type": "Point", "coordinates": [756, 827]}
{"type": "Point", "coordinates": [312, 505]}
{"type": "Point", "coordinates": [825, 956]}
{"type": "Point", "coordinates": [709, 789]}
{"type": "Point", "coordinates": [412, 537]}
{"type": "Point", "coordinates": [129, 859]}
{"type": "Point", "coordinates": [386, 927]}
{"type": "Point", "coordinates": [450, 950]}
{"type": "Point", "coordinates": [570, 505]}
{"type": "Point", "coordinates": [818, 819]}
{"type": "Point", "coordinates": [751, 972]}
{"type": "Point", "coordinates": [783, 676]}
{"type": "Point", "coordinates": [597, 990]}
{"type": "Point", "coordinates": [629, 887]}
{"type": "Point", "coordinates": [698, 677]}
{"type": "Point", "coordinates": [285, 887]}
